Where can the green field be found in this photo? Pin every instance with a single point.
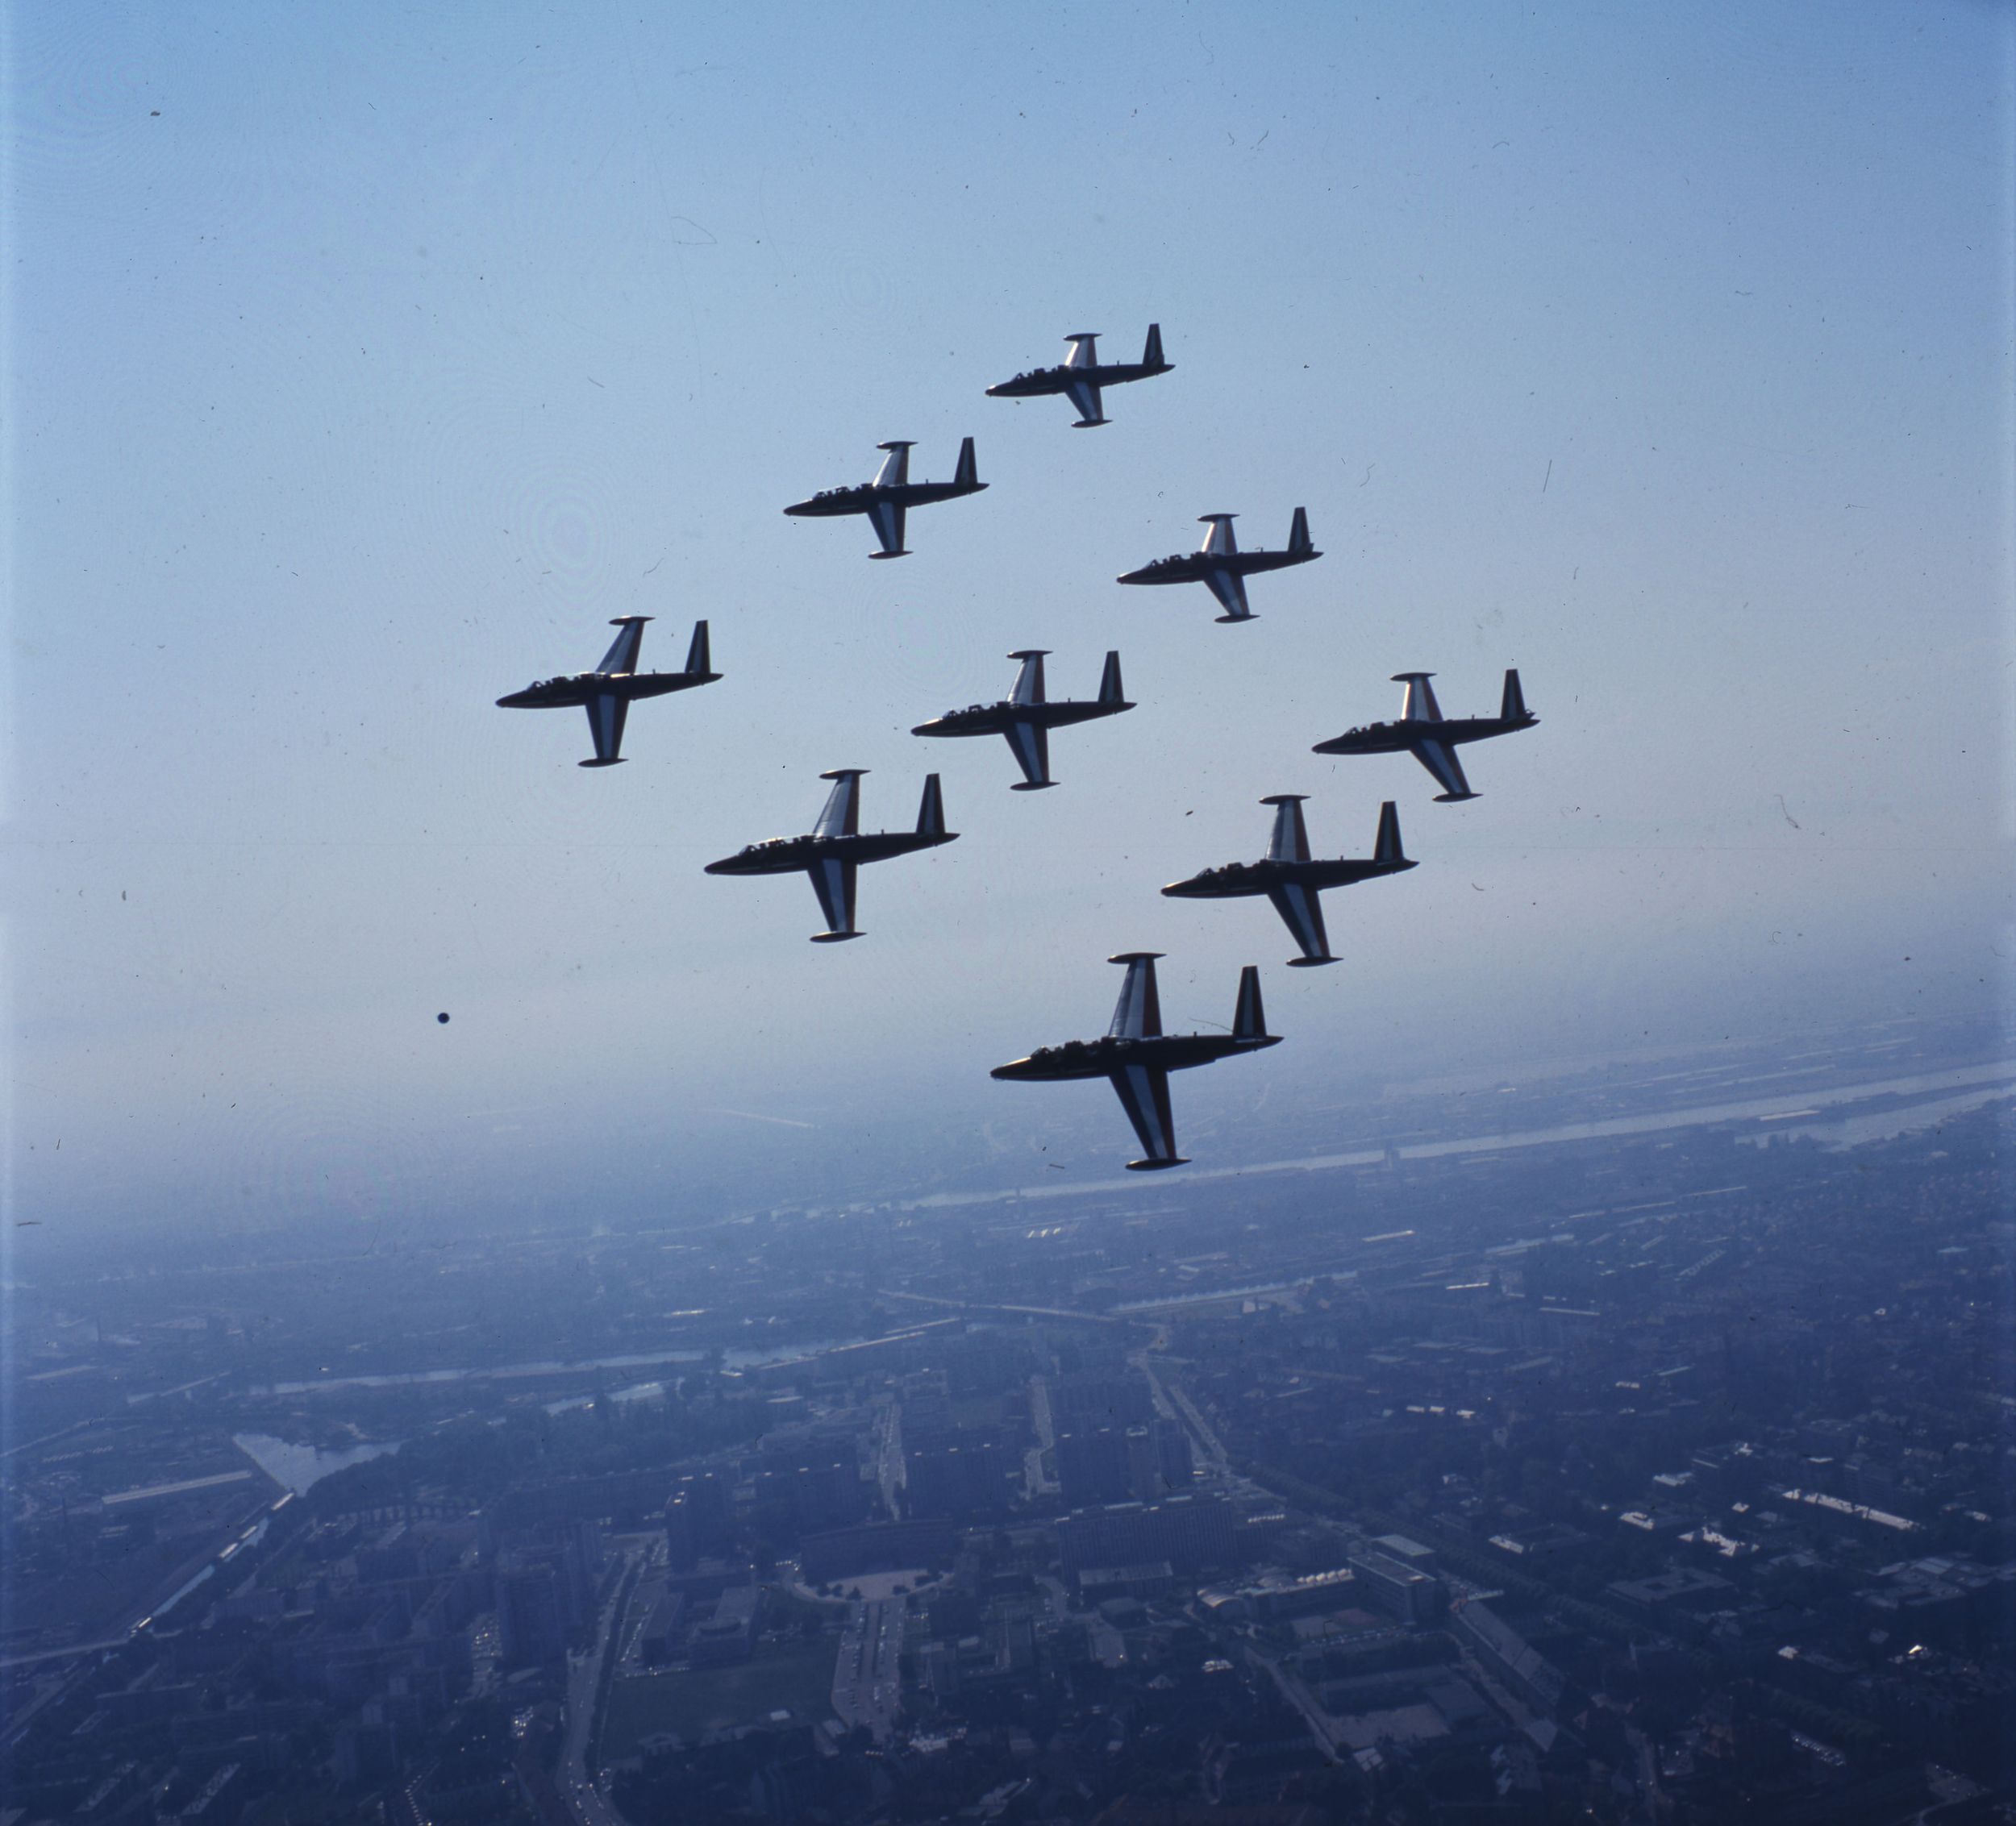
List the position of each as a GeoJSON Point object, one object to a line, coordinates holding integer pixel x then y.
{"type": "Point", "coordinates": [798, 1679]}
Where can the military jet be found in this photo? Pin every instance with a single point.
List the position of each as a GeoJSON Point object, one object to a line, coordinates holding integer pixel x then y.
{"type": "Point", "coordinates": [1294, 882]}
{"type": "Point", "coordinates": [1026, 719]}
{"type": "Point", "coordinates": [886, 499]}
{"type": "Point", "coordinates": [1138, 1057]}
{"type": "Point", "coordinates": [1222, 567]}
{"type": "Point", "coordinates": [608, 692]}
{"type": "Point", "coordinates": [836, 846]}
{"type": "Point", "coordinates": [1431, 738]}
{"type": "Point", "coordinates": [1083, 374]}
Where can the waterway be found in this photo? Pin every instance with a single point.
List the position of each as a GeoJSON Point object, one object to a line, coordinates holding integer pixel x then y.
{"type": "Point", "coordinates": [1980, 1084]}
{"type": "Point", "coordinates": [742, 1358]}
{"type": "Point", "coordinates": [299, 1468]}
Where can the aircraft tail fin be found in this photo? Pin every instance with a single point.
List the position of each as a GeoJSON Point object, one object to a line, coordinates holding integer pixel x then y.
{"type": "Point", "coordinates": [698, 655]}
{"type": "Point", "coordinates": [1298, 539]}
{"type": "Point", "coordinates": [1514, 708]}
{"type": "Point", "coordinates": [967, 475]}
{"type": "Point", "coordinates": [1419, 705]}
{"type": "Point", "coordinates": [842, 816]}
{"type": "Point", "coordinates": [1028, 686]}
{"type": "Point", "coordinates": [1249, 1019]}
{"type": "Point", "coordinates": [1290, 842]}
{"type": "Point", "coordinates": [1387, 849]}
{"type": "Point", "coordinates": [1151, 356]}
{"type": "Point", "coordinates": [1111, 691]}
{"type": "Point", "coordinates": [622, 656]}
{"type": "Point", "coordinates": [931, 810]}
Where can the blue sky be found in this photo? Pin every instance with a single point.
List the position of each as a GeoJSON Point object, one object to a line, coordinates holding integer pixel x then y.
{"type": "Point", "coordinates": [363, 361]}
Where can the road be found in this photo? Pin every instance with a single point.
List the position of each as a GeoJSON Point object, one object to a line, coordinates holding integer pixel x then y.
{"type": "Point", "coordinates": [889, 1454]}
{"type": "Point", "coordinates": [574, 1778]}
{"type": "Point", "coordinates": [1211, 1453]}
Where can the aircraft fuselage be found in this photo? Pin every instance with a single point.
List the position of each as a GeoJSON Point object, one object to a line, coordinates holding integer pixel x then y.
{"type": "Point", "coordinates": [865, 497]}
{"type": "Point", "coordinates": [1397, 737]}
{"type": "Point", "coordinates": [1040, 381]}
{"type": "Point", "coordinates": [1238, 880]}
{"type": "Point", "coordinates": [792, 855]}
{"type": "Point", "coordinates": [1104, 1057]}
{"type": "Point", "coordinates": [1199, 567]}
{"type": "Point", "coordinates": [997, 719]}
{"type": "Point", "coordinates": [573, 692]}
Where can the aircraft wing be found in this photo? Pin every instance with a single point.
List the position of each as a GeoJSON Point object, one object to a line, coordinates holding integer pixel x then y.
{"type": "Point", "coordinates": [1229, 587]}
{"type": "Point", "coordinates": [886, 517]}
{"type": "Point", "coordinates": [1028, 688]}
{"type": "Point", "coordinates": [1301, 911]}
{"type": "Point", "coordinates": [841, 815]}
{"type": "Point", "coordinates": [1440, 759]}
{"type": "Point", "coordinates": [1290, 842]}
{"type": "Point", "coordinates": [607, 712]}
{"type": "Point", "coordinates": [1138, 1014]}
{"type": "Point", "coordinates": [622, 656]}
{"type": "Point", "coordinates": [1085, 396]}
{"type": "Point", "coordinates": [1031, 744]}
{"type": "Point", "coordinates": [1144, 1092]}
{"type": "Point", "coordinates": [833, 881]}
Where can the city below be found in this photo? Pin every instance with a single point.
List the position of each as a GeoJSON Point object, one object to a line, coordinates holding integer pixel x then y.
{"type": "Point", "coordinates": [1628, 1442]}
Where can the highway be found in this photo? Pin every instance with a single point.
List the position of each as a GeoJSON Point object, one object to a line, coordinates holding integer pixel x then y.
{"type": "Point", "coordinates": [574, 1778]}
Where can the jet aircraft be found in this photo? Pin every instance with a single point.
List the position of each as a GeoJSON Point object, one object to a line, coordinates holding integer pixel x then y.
{"type": "Point", "coordinates": [836, 847]}
{"type": "Point", "coordinates": [1083, 374]}
{"type": "Point", "coordinates": [886, 499]}
{"type": "Point", "coordinates": [1220, 565]}
{"type": "Point", "coordinates": [1431, 738]}
{"type": "Point", "coordinates": [1138, 1056]}
{"type": "Point", "coordinates": [1294, 882]}
{"type": "Point", "coordinates": [608, 692]}
{"type": "Point", "coordinates": [1026, 719]}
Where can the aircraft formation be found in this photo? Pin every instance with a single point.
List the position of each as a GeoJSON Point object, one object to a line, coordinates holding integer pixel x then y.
{"type": "Point", "coordinates": [1134, 1055]}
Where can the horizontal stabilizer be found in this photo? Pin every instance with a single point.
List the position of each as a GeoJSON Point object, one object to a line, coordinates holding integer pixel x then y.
{"type": "Point", "coordinates": [1514, 708]}
{"type": "Point", "coordinates": [697, 656]}
{"type": "Point", "coordinates": [1111, 691]}
{"type": "Point", "coordinates": [1151, 356]}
